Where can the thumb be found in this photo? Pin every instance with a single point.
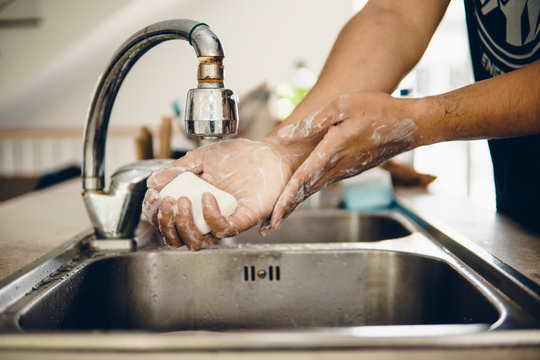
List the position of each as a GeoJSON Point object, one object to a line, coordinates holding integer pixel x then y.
{"type": "Point", "coordinates": [166, 174]}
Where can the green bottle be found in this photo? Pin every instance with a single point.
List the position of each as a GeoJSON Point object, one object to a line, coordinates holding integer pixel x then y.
{"type": "Point", "coordinates": [290, 94]}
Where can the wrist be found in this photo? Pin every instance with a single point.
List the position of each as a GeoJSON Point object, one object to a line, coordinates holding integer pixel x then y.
{"type": "Point", "coordinates": [291, 154]}
{"type": "Point", "coordinates": [294, 153]}
{"type": "Point", "coordinates": [424, 114]}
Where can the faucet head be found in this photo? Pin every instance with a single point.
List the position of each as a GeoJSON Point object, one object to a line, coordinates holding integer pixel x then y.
{"type": "Point", "coordinates": [211, 113]}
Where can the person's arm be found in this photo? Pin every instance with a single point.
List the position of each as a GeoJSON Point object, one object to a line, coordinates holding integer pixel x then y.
{"type": "Point", "coordinates": [373, 52]}
{"type": "Point", "coordinates": [358, 131]}
{"type": "Point", "coordinates": [505, 106]}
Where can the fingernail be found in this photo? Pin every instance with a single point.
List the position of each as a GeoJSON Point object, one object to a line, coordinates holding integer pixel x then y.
{"type": "Point", "coordinates": [166, 207]}
{"type": "Point", "coordinates": [182, 207]}
{"type": "Point", "coordinates": [265, 230]}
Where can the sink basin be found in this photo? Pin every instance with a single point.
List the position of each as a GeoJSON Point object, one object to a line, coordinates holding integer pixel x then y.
{"type": "Point", "coordinates": [216, 290]}
{"type": "Point", "coordinates": [323, 272]}
{"type": "Point", "coordinates": [331, 225]}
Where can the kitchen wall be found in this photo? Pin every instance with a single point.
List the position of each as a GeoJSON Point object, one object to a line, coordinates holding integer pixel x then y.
{"type": "Point", "coordinates": [50, 71]}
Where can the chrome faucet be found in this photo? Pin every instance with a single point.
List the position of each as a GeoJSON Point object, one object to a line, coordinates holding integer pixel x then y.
{"type": "Point", "coordinates": [211, 113]}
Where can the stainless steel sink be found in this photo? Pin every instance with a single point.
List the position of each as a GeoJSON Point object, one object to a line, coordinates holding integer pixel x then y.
{"type": "Point", "coordinates": [323, 270]}
{"type": "Point", "coordinates": [215, 290]}
{"type": "Point", "coordinates": [332, 225]}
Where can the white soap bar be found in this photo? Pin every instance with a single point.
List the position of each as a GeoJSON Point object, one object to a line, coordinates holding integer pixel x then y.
{"type": "Point", "coordinates": [193, 187]}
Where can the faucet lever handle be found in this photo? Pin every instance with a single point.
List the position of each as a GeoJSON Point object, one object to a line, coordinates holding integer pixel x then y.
{"type": "Point", "coordinates": [123, 200]}
{"type": "Point", "coordinates": [136, 173]}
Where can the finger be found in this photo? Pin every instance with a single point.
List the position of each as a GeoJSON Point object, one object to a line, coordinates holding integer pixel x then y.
{"type": "Point", "coordinates": [335, 173]}
{"type": "Point", "coordinates": [166, 221]}
{"type": "Point", "coordinates": [225, 226]}
{"type": "Point", "coordinates": [208, 240]}
{"type": "Point", "coordinates": [150, 206]}
{"type": "Point", "coordinates": [185, 225]}
{"type": "Point", "coordinates": [162, 177]}
{"type": "Point", "coordinates": [316, 123]}
{"type": "Point", "coordinates": [265, 228]}
{"type": "Point", "coordinates": [166, 174]}
{"type": "Point", "coordinates": [301, 184]}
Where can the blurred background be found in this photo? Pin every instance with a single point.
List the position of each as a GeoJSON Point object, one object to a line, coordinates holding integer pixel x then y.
{"type": "Point", "coordinates": [53, 51]}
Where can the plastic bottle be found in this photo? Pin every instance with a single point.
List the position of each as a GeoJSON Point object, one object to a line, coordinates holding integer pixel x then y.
{"type": "Point", "coordinates": [290, 94]}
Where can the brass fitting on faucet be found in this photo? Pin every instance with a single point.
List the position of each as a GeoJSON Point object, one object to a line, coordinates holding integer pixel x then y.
{"type": "Point", "coordinates": [210, 70]}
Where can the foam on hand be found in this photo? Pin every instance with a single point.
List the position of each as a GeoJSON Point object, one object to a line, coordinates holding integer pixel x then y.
{"type": "Point", "coordinates": [193, 187]}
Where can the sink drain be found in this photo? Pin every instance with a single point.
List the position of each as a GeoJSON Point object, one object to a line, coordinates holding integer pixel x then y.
{"type": "Point", "coordinates": [251, 273]}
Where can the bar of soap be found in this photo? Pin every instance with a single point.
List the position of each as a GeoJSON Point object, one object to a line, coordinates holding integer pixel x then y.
{"type": "Point", "coordinates": [193, 187]}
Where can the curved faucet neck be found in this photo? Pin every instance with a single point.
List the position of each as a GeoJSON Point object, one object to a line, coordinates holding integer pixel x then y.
{"type": "Point", "coordinates": [208, 49]}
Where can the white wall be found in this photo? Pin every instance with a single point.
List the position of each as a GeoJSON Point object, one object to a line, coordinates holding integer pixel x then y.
{"type": "Point", "coordinates": [24, 50]}
{"type": "Point", "coordinates": [262, 40]}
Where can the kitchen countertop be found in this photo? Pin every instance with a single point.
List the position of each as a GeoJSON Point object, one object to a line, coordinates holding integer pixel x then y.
{"type": "Point", "coordinates": [36, 223]}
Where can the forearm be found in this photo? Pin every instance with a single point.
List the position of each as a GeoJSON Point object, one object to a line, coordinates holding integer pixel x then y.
{"type": "Point", "coordinates": [380, 45]}
{"type": "Point", "coordinates": [505, 106]}
{"type": "Point", "coordinates": [374, 51]}
{"type": "Point", "coordinates": [372, 127]}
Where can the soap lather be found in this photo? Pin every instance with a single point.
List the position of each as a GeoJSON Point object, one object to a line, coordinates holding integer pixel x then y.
{"type": "Point", "coordinates": [193, 187]}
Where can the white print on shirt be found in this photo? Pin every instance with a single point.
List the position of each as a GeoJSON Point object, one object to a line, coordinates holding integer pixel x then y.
{"type": "Point", "coordinates": [490, 66]}
{"type": "Point", "coordinates": [522, 29]}
{"type": "Point", "coordinates": [513, 11]}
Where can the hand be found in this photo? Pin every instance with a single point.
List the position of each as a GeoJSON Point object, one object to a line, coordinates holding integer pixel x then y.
{"type": "Point", "coordinates": [254, 172]}
{"type": "Point", "coordinates": [356, 132]}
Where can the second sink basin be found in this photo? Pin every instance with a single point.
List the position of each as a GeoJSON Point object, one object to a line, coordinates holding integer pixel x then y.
{"type": "Point", "coordinates": [329, 226]}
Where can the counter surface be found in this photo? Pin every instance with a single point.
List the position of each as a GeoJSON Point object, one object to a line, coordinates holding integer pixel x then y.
{"type": "Point", "coordinates": [33, 224]}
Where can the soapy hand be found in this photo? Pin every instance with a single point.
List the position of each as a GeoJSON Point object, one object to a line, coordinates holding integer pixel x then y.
{"type": "Point", "coordinates": [252, 171]}
{"type": "Point", "coordinates": [356, 132]}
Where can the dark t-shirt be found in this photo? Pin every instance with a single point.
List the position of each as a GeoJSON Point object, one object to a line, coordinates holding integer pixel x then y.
{"type": "Point", "coordinates": [504, 36]}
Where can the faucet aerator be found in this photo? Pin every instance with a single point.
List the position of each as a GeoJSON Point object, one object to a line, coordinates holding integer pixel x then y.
{"type": "Point", "coordinates": [211, 113]}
